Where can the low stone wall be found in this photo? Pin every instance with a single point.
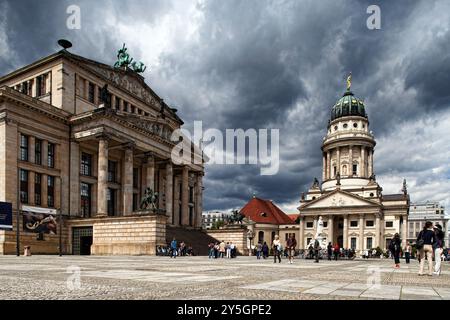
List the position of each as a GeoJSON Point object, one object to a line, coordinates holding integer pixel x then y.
{"type": "Point", "coordinates": [236, 235]}
{"type": "Point", "coordinates": [130, 235]}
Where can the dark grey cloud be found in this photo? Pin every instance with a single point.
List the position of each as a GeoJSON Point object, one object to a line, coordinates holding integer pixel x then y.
{"type": "Point", "coordinates": [273, 64]}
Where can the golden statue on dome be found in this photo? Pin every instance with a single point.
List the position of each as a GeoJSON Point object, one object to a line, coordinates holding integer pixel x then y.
{"type": "Point", "coordinates": [349, 81]}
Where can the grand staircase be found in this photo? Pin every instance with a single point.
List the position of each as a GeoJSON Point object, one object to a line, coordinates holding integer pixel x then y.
{"type": "Point", "coordinates": [197, 239]}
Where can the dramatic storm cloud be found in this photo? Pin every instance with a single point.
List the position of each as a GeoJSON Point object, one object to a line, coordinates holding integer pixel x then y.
{"type": "Point", "coordinates": [273, 64]}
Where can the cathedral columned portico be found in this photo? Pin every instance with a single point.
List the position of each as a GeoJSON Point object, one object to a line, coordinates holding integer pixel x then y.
{"type": "Point", "coordinates": [350, 201]}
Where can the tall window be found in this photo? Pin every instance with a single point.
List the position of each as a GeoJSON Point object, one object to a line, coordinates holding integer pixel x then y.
{"type": "Point", "coordinates": [50, 191]}
{"type": "Point", "coordinates": [85, 200]}
{"type": "Point", "coordinates": [191, 194]}
{"type": "Point", "coordinates": [91, 93]}
{"type": "Point", "coordinates": [86, 164]}
{"type": "Point", "coordinates": [111, 201]}
{"type": "Point", "coordinates": [353, 243]}
{"type": "Point", "coordinates": [117, 103]}
{"type": "Point", "coordinates": [112, 169]}
{"type": "Point", "coordinates": [355, 169]}
{"type": "Point", "coordinates": [369, 243]}
{"type": "Point", "coordinates": [23, 186]}
{"type": "Point", "coordinates": [38, 151]}
{"type": "Point", "coordinates": [51, 155]}
{"type": "Point", "coordinates": [37, 189]}
{"type": "Point", "coordinates": [135, 178]}
{"type": "Point", "coordinates": [40, 85]}
{"type": "Point", "coordinates": [25, 88]}
{"type": "Point", "coordinates": [135, 201]}
{"type": "Point", "coordinates": [23, 147]}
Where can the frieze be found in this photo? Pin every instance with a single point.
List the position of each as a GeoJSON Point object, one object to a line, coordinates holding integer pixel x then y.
{"type": "Point", "coordinates": [158, 129]}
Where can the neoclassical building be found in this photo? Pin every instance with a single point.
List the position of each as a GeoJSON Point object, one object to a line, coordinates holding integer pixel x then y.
{"type": "Point", "coordinates": [70, 145]}
{"type": "Point", "coordinates": [355, 212]}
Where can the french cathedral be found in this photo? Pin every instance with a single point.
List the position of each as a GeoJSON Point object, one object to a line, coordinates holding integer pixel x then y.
{"type": "Point", "coordinates": [355, 212]}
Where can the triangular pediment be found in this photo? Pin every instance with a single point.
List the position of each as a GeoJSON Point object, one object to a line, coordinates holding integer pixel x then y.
{"type": "Point", "coordinates": [127, 80]}
{"type": "Point", "coordinates": [339, 198]}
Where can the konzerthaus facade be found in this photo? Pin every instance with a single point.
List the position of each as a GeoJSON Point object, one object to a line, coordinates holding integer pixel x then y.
{"type": "Point", "coordinates": [62, 148]}
{"type": "Point", "coordinates": [355, 212]}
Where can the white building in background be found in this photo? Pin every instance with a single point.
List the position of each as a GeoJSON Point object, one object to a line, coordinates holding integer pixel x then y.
{"type": "Point", "coordinates": [421, 212]}
{"type": "Point", "coordinates": [211, 217]}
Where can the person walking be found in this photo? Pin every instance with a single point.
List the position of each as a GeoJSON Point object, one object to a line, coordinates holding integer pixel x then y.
{"type": "Point", "coordinates": [265, 250]}
{"type": "Point", "coordinates": [258, 250]}
{"type": "Point", "coordinates": [232, 250]}
{"type": "Point", "coordinates": [329, 251]}
{"type": "Point", "coordinates": [408, 250]}
{"type": "Point", "coordinates": [228, 248]}
{"type": "Point", "coordinates": [336, 251]}
{"type": "Point", "coordinates": [316, 250]}
{"type": "Point", "coordinates": [276, 246]}
{"type": "Point", "coordinates": [395, 247]}
{"type": "Point", "coordinates": [173, 246]}
{"type": "Point", "coordinates": [425, 241]}
{"type": "Point", "coordinates": [291, 243]}
{"type": "Point", "coordinates": [438, 247]}
{"type": "Point", "coordinates": [211, 250]}
{"type": "Point", "coordinates": [222, 249]}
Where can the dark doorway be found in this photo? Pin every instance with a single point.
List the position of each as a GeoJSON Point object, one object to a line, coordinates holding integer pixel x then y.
{"type": "Point", "coordinates": [82, 240]}
{"type": "Point", "coordinates": [340, 241]}
{"type": "Point", "coordinates": [85, 245]}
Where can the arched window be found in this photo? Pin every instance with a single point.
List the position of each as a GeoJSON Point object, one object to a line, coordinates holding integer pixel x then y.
{"type": "Point", "coordinates": [261, 237]}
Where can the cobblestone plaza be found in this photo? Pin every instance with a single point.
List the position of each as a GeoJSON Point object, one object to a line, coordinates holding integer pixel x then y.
{"type": "Point", "coordinates": [120, 277]}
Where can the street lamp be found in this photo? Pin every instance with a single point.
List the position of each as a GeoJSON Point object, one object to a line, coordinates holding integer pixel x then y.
{"type": "Point", "coordinates": [250, 236]}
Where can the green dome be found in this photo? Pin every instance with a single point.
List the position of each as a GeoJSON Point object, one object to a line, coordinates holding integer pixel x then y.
{"type": "Point", "coordinates": [348, 105]}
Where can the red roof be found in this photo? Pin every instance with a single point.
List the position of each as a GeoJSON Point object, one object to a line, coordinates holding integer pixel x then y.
{"type": "Point", "coordinates": [264, 211]}
{"type": "Point", "coordinates": [293, 217]}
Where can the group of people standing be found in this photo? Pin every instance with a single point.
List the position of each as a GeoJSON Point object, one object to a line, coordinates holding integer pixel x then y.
{"type": "Point", "coordinates": [429, 245]}
{"type": "Point", "coordinates": [221, 250]}
{"type": "Point", "coordinates": [179, 250]}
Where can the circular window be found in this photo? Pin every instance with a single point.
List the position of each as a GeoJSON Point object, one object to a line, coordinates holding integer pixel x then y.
{"type": "Point", "coordinates": [314, 198]}
{"type": "Point", "coordinates": [372, 194]}
{"type": "Point", "coordinates": [345, 126]}
{"type": "Point", "coordinates": [335, 128]}
{"type": "Point", "coordinates": [364, 126]}
{"type": "Point", "coordinates": [355, 125]}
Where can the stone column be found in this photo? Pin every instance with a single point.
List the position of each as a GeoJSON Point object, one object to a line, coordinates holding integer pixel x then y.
{"type": "Point", "coordinates": [405, 230]}
{"type": "Point", "coordinates": [338, 160]}
{"type": "Point", "coordinates": [350, 160]}
{"type": "Point", "coordinates": [121, 106]}
{"type": "Point", "coordinates": [113, 101]}
{"type": "Point", "coordinates": [185, 197]}
{"type": "Point", "coordinates": [96, 97]}
{"type": "Point", "coordinates": [370, 161]}
{"type": "Point", "coordinates": [31, 176]}
{"type": "Point", "coordinates": [31, 149]}
{"type": "Point", "coordinates": [324, 167]}
{"type": "Point", "coordinates": [345, 236]}
{"type": "Point", "coordinates": [44, 188]}
{"type": "Point", "coordinates": [301, 244]}
{"type": "Point", "coordinates": [199, 201]}
{"type": "Point", "coordinates": [328, 165]}
{"type": "Point", "coordinates": [377, 229]}
{"type": "Point", "coordinates": [86, 89]}
{"type": "Point", "coordinates": [102, 182]}
{"type": "Point", "coordinates": [361, 232]}
{"type": "Point", "coordinates": [176, 201]}
{"type": "Point", "coordinates": [74, 188]}
{"type": "Point", "coordinates": [362, 168]}
{"type": "Point", "coordinates": [150, 172]}
{"type": "Point", "coordinates": [127, 182]}
{"type": "Point", "coordinates": [330, 229]}
{"type": "Point", "coordinates": [169, 192]}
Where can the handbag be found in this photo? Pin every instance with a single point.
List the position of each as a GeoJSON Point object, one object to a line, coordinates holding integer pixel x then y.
{"type": "Point", "coordinates": [421, 242]}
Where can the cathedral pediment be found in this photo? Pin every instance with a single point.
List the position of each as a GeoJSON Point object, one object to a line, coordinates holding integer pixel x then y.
{"type": "Point", "coordinates": [338, 198]}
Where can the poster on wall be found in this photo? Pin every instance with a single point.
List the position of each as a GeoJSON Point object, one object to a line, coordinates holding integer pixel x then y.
{"type": "Point", "coordinates": [39, 220]}
{"type": "Point", "coordinates": [6, 216]}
